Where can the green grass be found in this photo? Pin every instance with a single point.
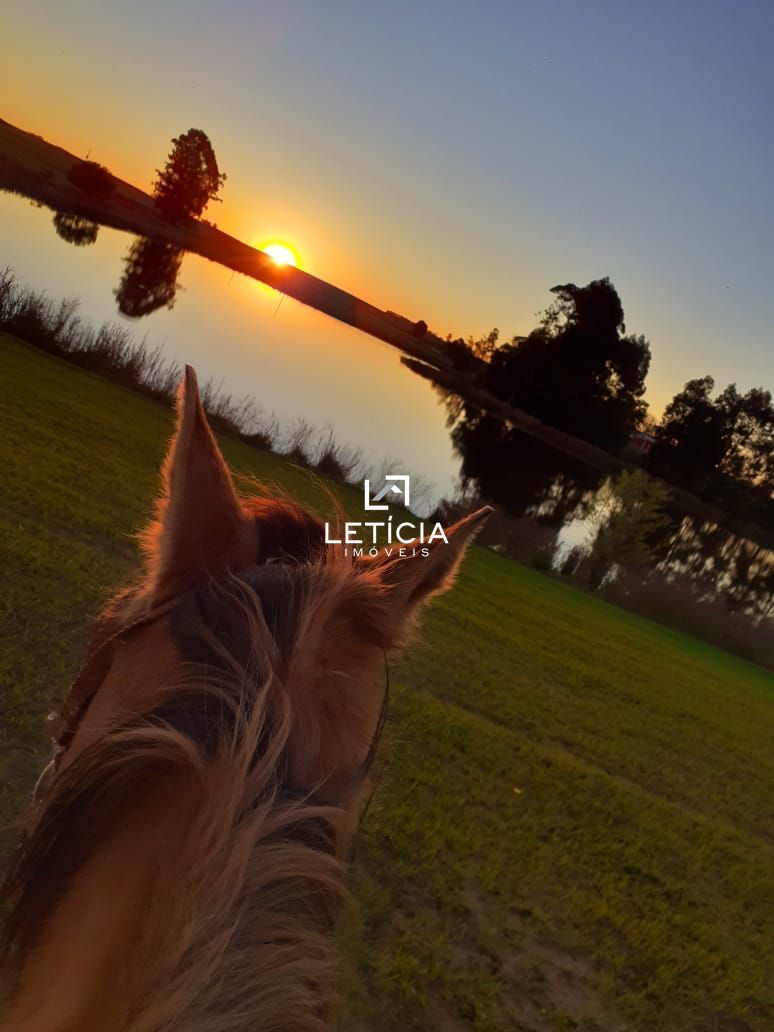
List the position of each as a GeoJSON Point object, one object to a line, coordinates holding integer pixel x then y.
{"type": "Point", "coordinates": [572, 828]}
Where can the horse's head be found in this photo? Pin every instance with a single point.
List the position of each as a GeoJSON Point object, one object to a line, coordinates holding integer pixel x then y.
{"type": "Point", "coordinates": [183, 866]}
{"type": "Point", "coordinates": [250, 584]}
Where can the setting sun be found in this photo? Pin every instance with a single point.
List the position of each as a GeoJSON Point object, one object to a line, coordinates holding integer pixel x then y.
{"type": "Point", "coordinates": [282, 254]}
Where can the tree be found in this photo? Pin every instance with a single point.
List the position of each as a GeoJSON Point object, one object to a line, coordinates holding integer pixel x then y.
{"type": "Point", "coordinates": [92, 179]}
{"type": "Point", "coordinates": [520, 472]}
{"type": "Point", "coordinates": [485, 347]}
{"type": "Point", "coordinates": [190, 179]}
{"type": "Point", "coordinates": [723, 446]}
{"type": "Point", "coordinates": [749, 454]}
{"type": "Point", "coordinates": [693, 435]}
{"type": "Point", "coordinates": [578, 370]}
{"type": "Point", "coordinates": [627, 522]}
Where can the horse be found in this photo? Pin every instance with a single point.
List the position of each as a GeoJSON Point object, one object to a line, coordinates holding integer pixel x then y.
{"type": "Point", "coordinates": [184, 863]}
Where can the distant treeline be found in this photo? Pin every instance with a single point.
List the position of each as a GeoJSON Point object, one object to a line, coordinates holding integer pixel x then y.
{"type": "Point", "coordinates": [725, 593]}
{"type": "Point", "coordinates": [580, 371]}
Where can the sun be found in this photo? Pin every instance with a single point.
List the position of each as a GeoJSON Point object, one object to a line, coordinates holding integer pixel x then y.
{"type": "Point", "coordinates": [281, 254]}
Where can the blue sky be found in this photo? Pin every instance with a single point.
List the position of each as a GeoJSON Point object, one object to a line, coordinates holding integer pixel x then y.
{"type": "Point", "coordinates": [455, 160]}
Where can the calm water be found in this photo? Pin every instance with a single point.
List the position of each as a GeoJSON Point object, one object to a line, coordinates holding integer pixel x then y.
{"type": "Point", "coordinates": [294, 361]}
{"type": "Point", "coordinates": [298, 364]}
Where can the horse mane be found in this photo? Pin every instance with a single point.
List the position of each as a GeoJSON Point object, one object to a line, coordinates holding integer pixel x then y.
{"type": "Point", "coordinates": [241, 937]}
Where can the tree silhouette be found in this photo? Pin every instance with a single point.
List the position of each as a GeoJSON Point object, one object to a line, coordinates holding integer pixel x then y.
{"type": "Point", "coordinates": [577, 371]}
{"type": "Point", "coordinates": [519, 472]}
{"type": "Point", "coordinates": [749, 453]}
{"type": "Point", "coordinates": [75, 229]}
{"type": "Point", "coordinates": [150, 278]}
{"type": "Point", "coordinates": [484, 348]}
{"type": "Point", "coordinates": [692, 437]}
{"type": "Point", "coordinates": [190, 179]}
{"type": "Point", "coordinates": [92, 179]}
{"type": "Point", "coordinates": [721, 447]}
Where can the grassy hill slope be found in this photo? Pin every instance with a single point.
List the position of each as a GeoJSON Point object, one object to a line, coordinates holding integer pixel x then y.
{"type": "Point", "coordinates": [570, 829]}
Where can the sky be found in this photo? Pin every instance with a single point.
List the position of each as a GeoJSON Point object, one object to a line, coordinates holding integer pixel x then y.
{"type": "Point", "coordinates": [453, 161]}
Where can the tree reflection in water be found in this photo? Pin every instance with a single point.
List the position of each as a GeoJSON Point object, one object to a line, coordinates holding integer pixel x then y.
{"type": "Point", "coordinates": [75, 229]}
{"type": "Point", "coordinates": [150, 277]}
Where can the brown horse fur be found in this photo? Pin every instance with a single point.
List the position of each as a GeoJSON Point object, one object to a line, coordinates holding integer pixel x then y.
{"type": "Point", "coordinates": [185, 865]}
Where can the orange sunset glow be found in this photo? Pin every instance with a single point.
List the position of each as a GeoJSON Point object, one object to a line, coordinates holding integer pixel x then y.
{"type": "Point", "coordinates": [281, 253]}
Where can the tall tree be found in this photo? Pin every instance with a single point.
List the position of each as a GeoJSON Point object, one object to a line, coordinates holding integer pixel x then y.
{"type": "Point", "coordinates": [749, 454]}
{"type": "Point", "coordinates": [693, 435]}
{"type": "Point", "coordinates": [578, 370]}
{"type": "Point", "coordinates": [732, 434]}
{"type": "Point", "coordinates": [722, 447]}
{"type": "Point", "coordinates": [190, 179]}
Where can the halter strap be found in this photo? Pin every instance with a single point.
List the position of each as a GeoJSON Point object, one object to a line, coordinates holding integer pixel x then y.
{"type": "Point", "coordinates": [362, 773]}
{"type": "Point", "coordinates": [88, 681]}
{"type": "Point", "coordinates": [89, 678]}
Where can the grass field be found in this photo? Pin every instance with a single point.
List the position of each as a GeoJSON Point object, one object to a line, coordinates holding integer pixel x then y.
{"type": "Point", "coordinates": [572, 828]}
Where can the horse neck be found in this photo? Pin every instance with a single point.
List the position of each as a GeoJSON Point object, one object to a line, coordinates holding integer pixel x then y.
{"type": "Point", "coordinates": [94, 955]}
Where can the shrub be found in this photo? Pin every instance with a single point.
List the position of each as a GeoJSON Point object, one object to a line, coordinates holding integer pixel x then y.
{"type": "Point", "coordinates": [92, 179]}
{"type": "Point", "coordinates": [336, 461]}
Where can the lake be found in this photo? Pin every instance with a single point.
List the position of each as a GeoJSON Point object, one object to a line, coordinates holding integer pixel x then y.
{"type": "Point", "coordinates": [254, 341]}
{"type": "Point", "coordinates": [298, 365]}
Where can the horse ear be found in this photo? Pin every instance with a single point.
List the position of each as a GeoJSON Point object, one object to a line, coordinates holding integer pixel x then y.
{"type": "Point", "coordinates": [413, 580]}
{"type": "Point", "coordinates": [199, 518]}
